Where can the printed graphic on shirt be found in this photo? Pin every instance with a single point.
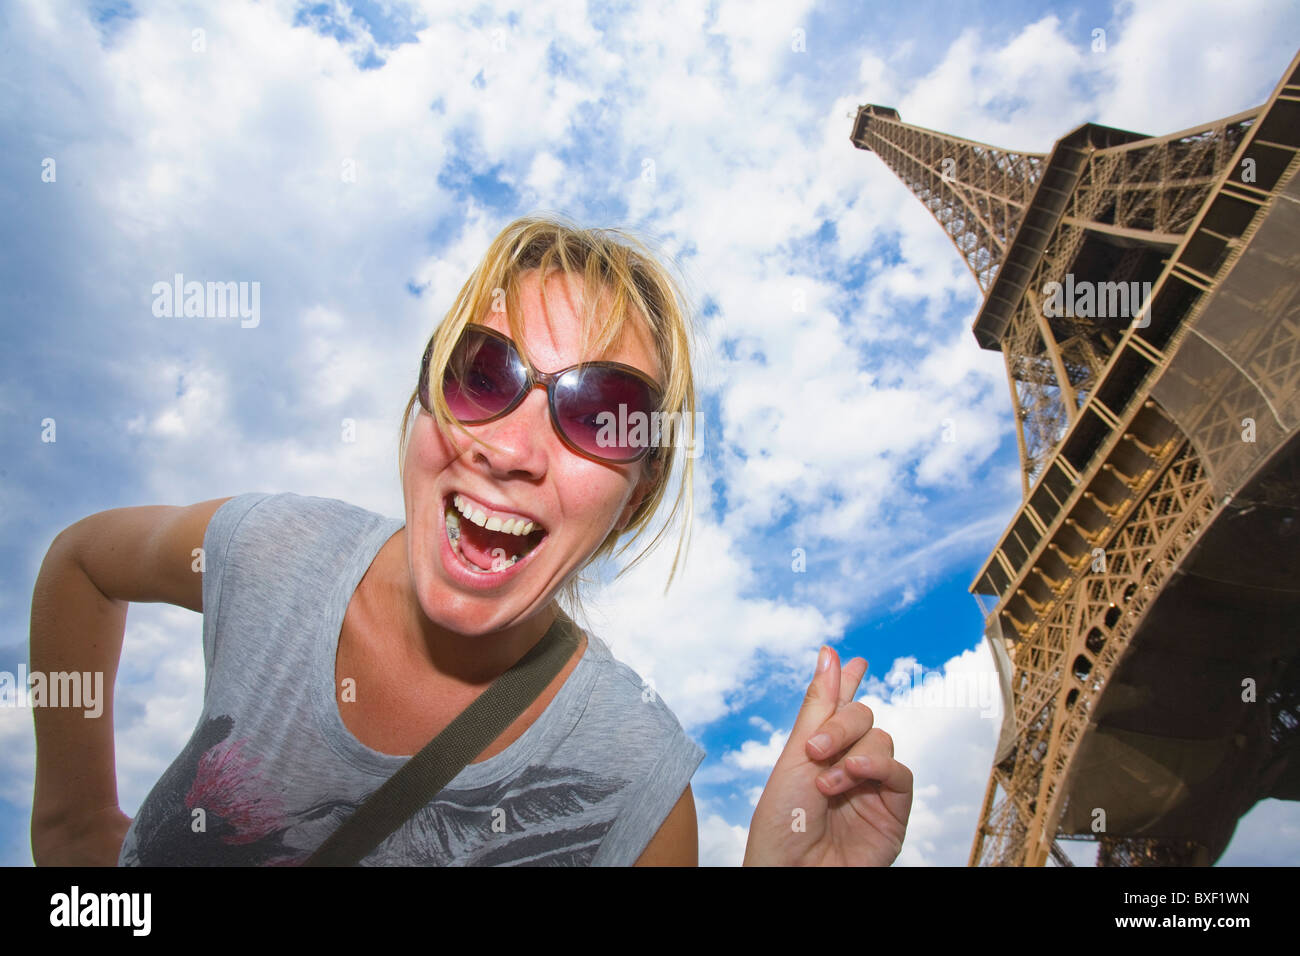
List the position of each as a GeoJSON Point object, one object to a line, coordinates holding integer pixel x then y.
{"type": "Point", "coordinates": [519, 822]}
{"type": "Point", "coordinates": [215, 807]}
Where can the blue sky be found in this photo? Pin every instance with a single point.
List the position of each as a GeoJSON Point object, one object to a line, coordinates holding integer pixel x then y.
{"type": "Point", "coordinates": [355, 159]}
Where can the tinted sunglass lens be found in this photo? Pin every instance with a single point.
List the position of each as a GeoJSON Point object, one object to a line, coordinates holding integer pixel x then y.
{"type": "Point", "coordinates": [483, 377]}
{"type": "Point", "coordinates": [606, 412]}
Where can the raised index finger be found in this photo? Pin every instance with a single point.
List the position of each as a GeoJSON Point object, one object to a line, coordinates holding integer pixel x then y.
{"type": "Point", "coordinates": [821, 701]}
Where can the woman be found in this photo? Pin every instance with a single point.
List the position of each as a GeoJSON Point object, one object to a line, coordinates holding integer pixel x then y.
{"type": "Point", "coordinates": [337, 642]}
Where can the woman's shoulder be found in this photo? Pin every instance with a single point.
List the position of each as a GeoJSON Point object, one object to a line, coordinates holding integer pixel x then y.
{"type": "Point", "coordinates": [623, 703]}
{"type": "Point", "coordinates": [617, 678]}
{"type": "Point", "coordinates": [631, 743]}
{"type": "Point", "coordinates": [274, 534]}
{"type": "Point", "coordinates": [274, 515]}
{"type": "Point", "coordinates": [288, 505]}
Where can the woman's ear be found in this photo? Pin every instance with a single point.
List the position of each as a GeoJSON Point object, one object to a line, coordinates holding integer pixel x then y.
{"type": "Point", "coordinates": [652, 465]}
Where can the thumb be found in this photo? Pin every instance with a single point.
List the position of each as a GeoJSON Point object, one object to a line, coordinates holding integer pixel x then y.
{"type": "Point", "coordinates": [821, 702]}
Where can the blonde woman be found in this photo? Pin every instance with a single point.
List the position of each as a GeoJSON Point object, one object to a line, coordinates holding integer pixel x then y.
{"type": "Point", "coordinates": [338, 642]}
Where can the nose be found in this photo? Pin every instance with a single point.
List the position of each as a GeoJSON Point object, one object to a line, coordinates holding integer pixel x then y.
{"type": "Point", "coordinates": [519, 441]}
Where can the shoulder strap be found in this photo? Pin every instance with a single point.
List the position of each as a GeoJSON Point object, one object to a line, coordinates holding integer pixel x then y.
{"type": "Point", "coordinates": [421, 778]}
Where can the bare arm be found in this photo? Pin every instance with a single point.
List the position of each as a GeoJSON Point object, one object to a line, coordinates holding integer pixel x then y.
{"type": "Point", "coordinates": [677, 841]}
{"type": "Point", "coordinates": [92, 571]}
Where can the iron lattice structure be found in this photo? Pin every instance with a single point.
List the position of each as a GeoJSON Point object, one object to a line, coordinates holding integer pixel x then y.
{"type": "Point", "coordinates": [1142, 603]}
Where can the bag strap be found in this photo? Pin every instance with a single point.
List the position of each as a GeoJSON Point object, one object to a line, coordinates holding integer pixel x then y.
{"type": "Point", "coordinates": [421, 778]}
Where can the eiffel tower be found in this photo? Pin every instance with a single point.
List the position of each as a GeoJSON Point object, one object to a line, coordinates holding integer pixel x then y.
{"type": "Point", "coordinates": [1143, 604]}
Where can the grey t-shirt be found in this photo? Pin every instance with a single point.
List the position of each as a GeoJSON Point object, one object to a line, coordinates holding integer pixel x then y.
{"type": "Point", "coordinates": [271, 770]}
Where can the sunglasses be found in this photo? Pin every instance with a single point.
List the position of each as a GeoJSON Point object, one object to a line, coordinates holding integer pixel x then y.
{"type": "Point", "coordinates": [602, 410]}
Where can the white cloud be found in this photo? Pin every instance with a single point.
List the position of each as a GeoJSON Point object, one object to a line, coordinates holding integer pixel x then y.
{"type": "Point", "coordinates": [545, 175]}
{"type": "Point", "coordinates": [1167, 71]}
{"type": "Point", "coordinates": [721, 843]}
{"type": "Point", "coordinates": [756, 755]}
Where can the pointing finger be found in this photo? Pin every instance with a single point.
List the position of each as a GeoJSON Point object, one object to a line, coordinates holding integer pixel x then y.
{"type": "Point", "coordinates": [821, 701]}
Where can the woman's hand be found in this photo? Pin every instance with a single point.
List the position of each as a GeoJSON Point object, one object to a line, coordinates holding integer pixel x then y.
{"type": "Point", "coordinates": [842, 801]}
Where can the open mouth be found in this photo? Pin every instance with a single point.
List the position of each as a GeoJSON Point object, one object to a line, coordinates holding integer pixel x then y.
{"type": "Point", "coordinates": [488, 544]}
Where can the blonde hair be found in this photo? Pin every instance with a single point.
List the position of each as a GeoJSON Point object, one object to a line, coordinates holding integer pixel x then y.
{"type": "Point", "coordinates": [621, 274]}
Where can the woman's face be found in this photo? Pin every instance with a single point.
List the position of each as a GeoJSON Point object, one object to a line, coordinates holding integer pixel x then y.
{"type": "Point", "coordinates": [528, 473]}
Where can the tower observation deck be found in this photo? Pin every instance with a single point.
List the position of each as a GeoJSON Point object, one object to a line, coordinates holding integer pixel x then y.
{"type": "Point", "coordinates": [1143, 604]}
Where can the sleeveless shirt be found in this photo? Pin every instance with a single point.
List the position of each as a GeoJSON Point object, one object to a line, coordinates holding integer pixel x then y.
{"type": "Point", "coordinates": [271, 770]}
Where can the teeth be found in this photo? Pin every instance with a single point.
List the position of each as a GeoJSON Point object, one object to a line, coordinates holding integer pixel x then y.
{"type": "Point", "coordinates": [510, 525]}
{"type": "Point", "coordinates": [453, 535]}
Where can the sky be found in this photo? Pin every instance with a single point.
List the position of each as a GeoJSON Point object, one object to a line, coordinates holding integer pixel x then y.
{"type": "Point", "coordinates": [356, 159]}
